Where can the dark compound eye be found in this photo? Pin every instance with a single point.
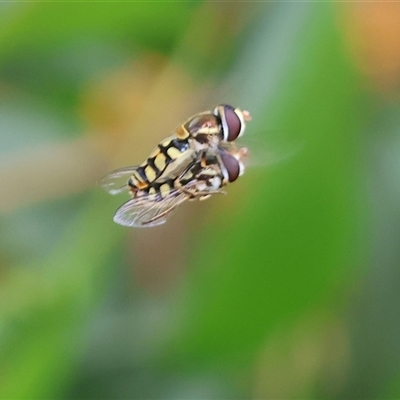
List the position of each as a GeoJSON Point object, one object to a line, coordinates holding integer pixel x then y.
{"type": "Point", "coordinates": [232, 166]}
{"type": "Point", "coordinates": [232, 123]}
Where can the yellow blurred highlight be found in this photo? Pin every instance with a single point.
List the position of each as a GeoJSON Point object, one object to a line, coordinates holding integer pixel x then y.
{"type": "Point", "coordinates": [48, 171]}
{"type": "Point", "coordinates": [315, 349]}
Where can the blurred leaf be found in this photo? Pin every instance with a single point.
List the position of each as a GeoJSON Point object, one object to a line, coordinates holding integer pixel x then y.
{"type": "Point", "coordinates": [373, 319]}
{"type": "Point", "coordinates": [45, 26]}
{"type": "Point", "coordinates": [42, 308]}
{"type": "Point", "coordinates": [294, 237]}
{"type": "Point", "coordinates": [393, 389]}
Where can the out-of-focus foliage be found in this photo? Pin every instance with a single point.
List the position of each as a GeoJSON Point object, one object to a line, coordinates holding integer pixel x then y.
{"type": "Point", "coordinates": [284, 288]}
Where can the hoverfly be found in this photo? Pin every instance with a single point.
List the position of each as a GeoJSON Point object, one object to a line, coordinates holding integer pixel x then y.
{"type": "Point", "coordinates": [195, 162]}
{"type": "Point", "coordinates": [153, 204]}
{"type": "Point", "coordinates": [201, 132]}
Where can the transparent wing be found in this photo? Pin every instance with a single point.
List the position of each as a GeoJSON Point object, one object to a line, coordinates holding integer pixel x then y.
{"type": "Point", "coordinates": [117, 181]}
{"type": "Point", "coordinates": [146, 212]}
{"type": "Point", "coordinates": [270, 148]}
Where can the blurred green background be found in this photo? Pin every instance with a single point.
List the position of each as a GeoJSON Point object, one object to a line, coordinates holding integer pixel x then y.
{"type": "Point", "coordinates": [285, 288]}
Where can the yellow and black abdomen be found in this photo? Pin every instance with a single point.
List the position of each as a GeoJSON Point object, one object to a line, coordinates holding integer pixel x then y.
{"type": "Point", "coordinates": [165, 156]}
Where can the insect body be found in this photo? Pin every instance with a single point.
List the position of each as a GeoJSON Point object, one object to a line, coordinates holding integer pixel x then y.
{"type": "Point", "coordinates": [200, 133]}
{"type": "Point", "coordinates": [194, 163]}
{"type": "Point", "coordinates": [152, 205]}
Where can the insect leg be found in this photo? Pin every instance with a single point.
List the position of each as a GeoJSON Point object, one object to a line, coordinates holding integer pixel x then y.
{"type": "Point", "coordinates": [200, 193]}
